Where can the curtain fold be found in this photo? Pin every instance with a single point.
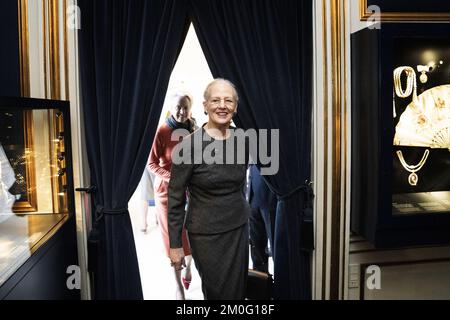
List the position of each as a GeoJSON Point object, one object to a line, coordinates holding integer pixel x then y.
{"type": "Point", "coordinates": [127, 49]}
{"type": "Point", "coordinates": [265, 48]}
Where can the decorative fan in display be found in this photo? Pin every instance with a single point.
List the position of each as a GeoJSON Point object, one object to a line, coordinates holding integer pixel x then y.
{"type": "Point", "coordinates": [426, 120]}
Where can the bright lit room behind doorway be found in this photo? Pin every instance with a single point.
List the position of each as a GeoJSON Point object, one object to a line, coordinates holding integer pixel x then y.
{"type": "Point", "coordinates": [191, 74]}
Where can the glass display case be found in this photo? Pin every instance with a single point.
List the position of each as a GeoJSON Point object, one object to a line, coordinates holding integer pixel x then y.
{"type": "Point", "coordinates": [36, 188]}
{"type": "Point", "coordinates": [401, 134]}
{"type": "Point", "coordinates": [421, 126]}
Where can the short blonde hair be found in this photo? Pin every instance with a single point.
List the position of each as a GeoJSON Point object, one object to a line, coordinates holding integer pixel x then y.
{"type": "Point", "coordinates": [206, 94]}
{"type": "Point", "coordinates": [174, 97]}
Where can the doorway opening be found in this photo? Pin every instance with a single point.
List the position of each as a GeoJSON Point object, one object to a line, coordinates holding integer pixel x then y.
{"type": "Point", "coordinates": [191, 74]}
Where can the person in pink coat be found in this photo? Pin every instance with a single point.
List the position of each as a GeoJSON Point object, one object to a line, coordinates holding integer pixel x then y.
{"type": "Point", "coordinates": [160, 163]}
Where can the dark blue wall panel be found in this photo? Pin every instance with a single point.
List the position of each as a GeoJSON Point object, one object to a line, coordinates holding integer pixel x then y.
{"type": "Point", "coordinates": [9, 49]}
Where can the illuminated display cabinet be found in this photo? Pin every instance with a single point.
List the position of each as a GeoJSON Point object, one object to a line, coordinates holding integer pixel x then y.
{"type": "Point", "coordinates": [401, 134]}
{"type": "Point", "coordinates": [37, 214]}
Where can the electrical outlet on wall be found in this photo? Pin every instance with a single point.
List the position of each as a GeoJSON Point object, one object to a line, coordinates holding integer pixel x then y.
{"type": "Point", "coordinates": [353, 276]}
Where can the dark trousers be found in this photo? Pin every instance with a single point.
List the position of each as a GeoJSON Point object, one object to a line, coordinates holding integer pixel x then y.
{"type": "Point", "coordinates": [262, 222]}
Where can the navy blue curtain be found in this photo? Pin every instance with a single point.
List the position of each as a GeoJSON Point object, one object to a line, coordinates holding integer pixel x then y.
{"type": "Point", "coordinates": [128, 49]}
{"type": "Point", "coordinates": [265, 48]}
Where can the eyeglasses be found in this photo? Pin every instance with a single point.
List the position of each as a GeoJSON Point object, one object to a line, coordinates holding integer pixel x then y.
{"type": "Point", "coordinates": [228, 102]}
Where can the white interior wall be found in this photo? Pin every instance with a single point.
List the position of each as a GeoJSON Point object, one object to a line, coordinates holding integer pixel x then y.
{"type": "Point", "coordinates": [36, 49]}
{"type": "Point", "coordinates": [38, 78]}
{"type": "Point", "coordinates": [319, 98]}
{"type": "Point", "coordinates": [79, 156]}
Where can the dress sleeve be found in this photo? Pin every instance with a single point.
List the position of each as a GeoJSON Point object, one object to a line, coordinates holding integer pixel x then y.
{"type": "Point", "coordinates": [155, 154]}
{"type": "Point", "coordinates": [179, 181]}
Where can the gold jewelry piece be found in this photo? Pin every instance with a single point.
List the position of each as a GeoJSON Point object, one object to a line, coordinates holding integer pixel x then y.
{"type": "Point", "coordinates": [423, 77]}
{"type": "Point", "coordinates": [413, 178]}
{"type": "Point", "coordinates": [411, 83]}
{"type": "Point", "coordinates": [423, 69]}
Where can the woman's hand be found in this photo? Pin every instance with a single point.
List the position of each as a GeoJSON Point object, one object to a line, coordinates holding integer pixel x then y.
{"type": "Point", "coordinates": [176, 256]}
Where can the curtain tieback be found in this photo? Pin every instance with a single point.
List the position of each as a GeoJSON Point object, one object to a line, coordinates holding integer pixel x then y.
{"type": "Point", "coordinates": [100, 211]}
{"type": "Point", "coordinates": [306, 215]}
{"type": "Point", "coordinates": [95, 238]}
{"type": "Point", "coordinates": [306, 187]}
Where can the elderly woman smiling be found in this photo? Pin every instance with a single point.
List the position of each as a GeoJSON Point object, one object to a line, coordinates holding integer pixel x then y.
{"type": "Point", "coordinates": [217, 214]}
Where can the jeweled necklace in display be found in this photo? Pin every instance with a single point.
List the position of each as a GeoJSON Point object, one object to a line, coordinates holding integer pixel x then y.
{"type": "Point", "coordinates": [411, 85]}
{"type": "Point", "coordinates": [413, 178]}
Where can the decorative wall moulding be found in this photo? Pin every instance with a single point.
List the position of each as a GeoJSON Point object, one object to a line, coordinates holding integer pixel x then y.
{"type": "Point", "coordinates": [406, 10]}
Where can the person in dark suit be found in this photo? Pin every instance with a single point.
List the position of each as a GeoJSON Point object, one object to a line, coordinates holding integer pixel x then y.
{"type": "Point", "coordinates": [263, 204]}
{"type": "Point", "coordinates": [217, 215]}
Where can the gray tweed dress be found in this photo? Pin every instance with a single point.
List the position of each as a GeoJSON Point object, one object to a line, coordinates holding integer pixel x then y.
{"type": "Point", "coordinates": [216, 216]}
